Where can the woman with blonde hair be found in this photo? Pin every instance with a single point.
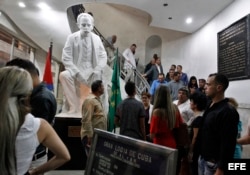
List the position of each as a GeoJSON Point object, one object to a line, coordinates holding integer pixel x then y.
{"type": "Point", "coordinates": [20, 132]}
{"type": "Point", "coordinates": [165, 118]}
{"type": "Point", "coordinates": [15, 87]}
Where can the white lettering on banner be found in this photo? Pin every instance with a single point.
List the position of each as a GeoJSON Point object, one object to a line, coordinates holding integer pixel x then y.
{"type": "Point", "coordinates": [121, 149]}
{"type": "Point", "coordinates": [144, 157]}
{"type": "Point", "coordinates": [108, 145]}
{"type": "Point", "coordinates": [237, 166]}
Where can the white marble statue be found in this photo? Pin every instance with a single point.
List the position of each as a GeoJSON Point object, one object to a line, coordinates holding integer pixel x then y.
{"type": "Point", "coordinates": [84, 58]}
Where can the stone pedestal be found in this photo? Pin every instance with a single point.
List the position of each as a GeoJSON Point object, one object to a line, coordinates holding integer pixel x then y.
{"type": "Point", "coordinates": [68, 129]}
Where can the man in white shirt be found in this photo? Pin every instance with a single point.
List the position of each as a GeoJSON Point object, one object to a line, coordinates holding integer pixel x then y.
{"type": "Point", "coordinates": [183, 104]}
{"type": "Point", "coordinates": [129, 64]}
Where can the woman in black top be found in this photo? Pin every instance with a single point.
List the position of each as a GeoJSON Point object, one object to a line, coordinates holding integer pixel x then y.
{"type": "Point", "coordinates": [198, 102]}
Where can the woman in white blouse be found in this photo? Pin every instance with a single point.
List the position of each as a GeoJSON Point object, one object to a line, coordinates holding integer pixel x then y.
{"type": "Point", "coordinates": [20, 132]}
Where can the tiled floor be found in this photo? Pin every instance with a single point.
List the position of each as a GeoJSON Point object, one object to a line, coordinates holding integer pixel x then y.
{"type": "Point", "coordinates": [66, 172]}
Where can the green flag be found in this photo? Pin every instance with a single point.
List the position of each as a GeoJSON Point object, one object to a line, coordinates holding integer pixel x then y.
{"type": "Point", "coordinates": [116, 94]}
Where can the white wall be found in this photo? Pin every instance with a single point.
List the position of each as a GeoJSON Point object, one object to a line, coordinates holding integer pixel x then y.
{"type": "Point", "coordinates": [198, 55]}
{"type": "Point", "coordinates": [198, 52]}
{"type": "Point", "coordinates": [5, 22]}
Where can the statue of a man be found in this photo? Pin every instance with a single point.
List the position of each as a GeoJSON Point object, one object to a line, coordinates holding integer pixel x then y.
{"type": "Point", "coordinates": [84, 58]}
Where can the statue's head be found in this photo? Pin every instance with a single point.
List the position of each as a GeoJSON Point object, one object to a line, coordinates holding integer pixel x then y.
{"type": "Point", "coordinates": [85, 23]}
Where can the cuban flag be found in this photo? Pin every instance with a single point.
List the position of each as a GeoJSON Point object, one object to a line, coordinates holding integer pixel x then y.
{"type": "Point", "coordinates": [47, 76]}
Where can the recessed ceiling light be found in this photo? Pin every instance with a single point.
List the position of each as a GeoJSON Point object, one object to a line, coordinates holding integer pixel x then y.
{"type": "Point", "coordinates": [189, 20]}
{"type": "Point", "coordinates": [43, 6]}
{"type": "Point", "coordinates": [21, 4]}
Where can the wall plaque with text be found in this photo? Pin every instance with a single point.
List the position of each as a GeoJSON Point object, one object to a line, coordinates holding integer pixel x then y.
{"type": "Point", "coordinates": [234, 50]}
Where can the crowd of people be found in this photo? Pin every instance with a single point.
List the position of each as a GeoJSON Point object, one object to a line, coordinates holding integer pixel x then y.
{"type": "Point", "coordinates": [28, 110]}
{"type": "Point", "coordinates": [211, 118]}
{"type": "Point", "coordinates": [200, 104]}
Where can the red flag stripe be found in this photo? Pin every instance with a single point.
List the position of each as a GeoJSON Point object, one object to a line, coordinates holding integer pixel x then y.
{"type": "Point", "coordinates": [47, 76]}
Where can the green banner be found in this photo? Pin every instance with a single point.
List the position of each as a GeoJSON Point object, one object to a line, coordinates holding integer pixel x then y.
{"type": "Point", "coordinates": [116, 93]}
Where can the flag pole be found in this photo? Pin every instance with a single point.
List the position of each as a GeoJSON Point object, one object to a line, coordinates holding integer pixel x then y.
{"type": "Point", "coordinates": [50, 49]}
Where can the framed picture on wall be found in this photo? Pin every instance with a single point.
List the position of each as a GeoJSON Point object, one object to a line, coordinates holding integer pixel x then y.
{"type": "Point", "coordinates": [234, 50]}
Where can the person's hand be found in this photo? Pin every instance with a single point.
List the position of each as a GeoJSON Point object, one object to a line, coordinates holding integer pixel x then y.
{"type": "Point", "coordinates": [89, 141]}
{"type": "Point", "coordinates": [33, 172]}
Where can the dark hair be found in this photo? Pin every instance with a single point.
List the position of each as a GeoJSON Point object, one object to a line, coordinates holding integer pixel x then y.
{"type": "Point", "coordinates": [161, 74]}
{"type": "Point", "coordinates": [25, 64]}
{"type": "Point", "coordinates": [176, 73]}
{"type": "Point", "coordinates": [90, 13]}
{"type": "Point", "coordinates": [95, 85]}
{"type": "Point", "coordinates": [184, 89]}
{"type": "Point", "coordinates": [190, 85]}
{"type": "Point", "coordinates": [144, 93]}
{"type": "Point", "coordinates": [173, 66]}
{"type": "Point", "coordinates": [180, 66]}
{"type": "Point", "coordinates": [199, 99]}
{"type": "Point", "coordinates": [220, 79]}
{"type": "Point", "coordinates": [202, 80]}
{"type": "Point", "coordinates": [158, 58]}
{"type": "Point", "coordinates": [155, 56]}
{"type": "Point", "coordinates": [134, 45]}
{"type": "Point", "coordinates": [130, 88]}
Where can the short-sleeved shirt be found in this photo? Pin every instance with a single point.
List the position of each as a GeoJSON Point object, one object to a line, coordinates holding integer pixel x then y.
{"type": "Point", "coordinates": [185, 110]}
{"type": "Point", "coordinates": [129, 111]}
{"type": "Point", "coordinates": [195, 124]}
